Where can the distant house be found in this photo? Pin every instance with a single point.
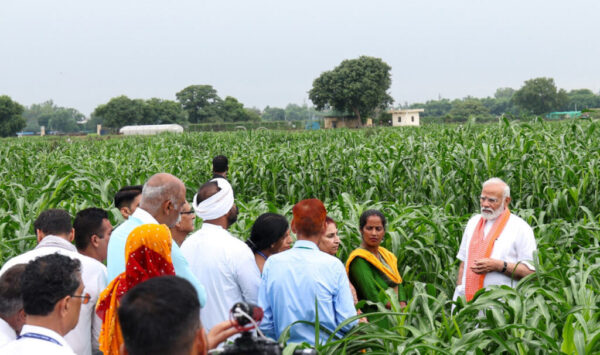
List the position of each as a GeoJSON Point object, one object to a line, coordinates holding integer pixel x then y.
{"type": "Point", "coordinates": [340, 122]}
{"type": "Point", "coordinates": [151, 129]}
{"type": "Point", "coordinates": [408, 117]}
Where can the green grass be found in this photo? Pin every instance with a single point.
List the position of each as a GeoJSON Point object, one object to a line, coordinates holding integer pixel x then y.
{"type": "Point", "coordinates": [426, 180]}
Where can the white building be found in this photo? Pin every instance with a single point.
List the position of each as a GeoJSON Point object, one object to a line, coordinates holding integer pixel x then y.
{"type": "Point", "coordinates": [406, 117]}
{"type": "Point", "coordinates": [150, 129]}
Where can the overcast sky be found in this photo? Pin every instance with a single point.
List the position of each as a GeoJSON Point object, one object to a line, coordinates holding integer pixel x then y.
{"type": "Point", "coordinates": [81, 53]}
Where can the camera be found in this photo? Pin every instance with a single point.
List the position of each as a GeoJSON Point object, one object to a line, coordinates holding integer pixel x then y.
{"type": "Point", "coordinates": [248, 316]}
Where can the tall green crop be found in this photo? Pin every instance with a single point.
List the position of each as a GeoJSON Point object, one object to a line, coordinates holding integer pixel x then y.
{"type": "Point", "coordinates": [426, 180]}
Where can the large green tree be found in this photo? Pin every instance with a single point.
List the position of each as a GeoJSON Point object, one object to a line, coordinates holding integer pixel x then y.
{"type": "Point", "coordinates": [357, 86]}
{"type": "Point", "coordinates": [120, 111]}
{"type": "Point", "coordinates": [539, 96]}
{"type": "Point", "coordinates": [273, 114]}
{"type": "Point", "coordinates": [201, 103]}
{"type": "Point", "coordinates": [65, 120]}
{"type": "Point", "coordinates": [231, 110]}
{"type": "Point", "coordinates": [11, 120]}
{"type": "Point", "coordinates": [470, 107]}
{"type": "Point", "coordinates": [52, 117]}
{"type": "Point", "coordinates": [159, 111]}
{"type": "Point", "coordinates": [581, 99]}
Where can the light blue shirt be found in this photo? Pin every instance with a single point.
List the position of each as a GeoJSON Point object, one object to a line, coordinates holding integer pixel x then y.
{"type": "Point", "coordinates": [115, 259]}
{"type": "Point", "coordinates": [292, 280]}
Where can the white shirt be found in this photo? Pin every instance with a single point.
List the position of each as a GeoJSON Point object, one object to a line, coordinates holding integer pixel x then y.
{"type": "Point", "coordinates": [27, 345]}
{"type": "Point", "coordinates": [226, 267]}
{"type": "Point", "coordinates": [7, 333]}
{"type": "Point", "coordinates": [145, 216]}
{"type": "Point", "coordinates": [93, 274]}
{"type": "Point", "coordinates": [515, 243]}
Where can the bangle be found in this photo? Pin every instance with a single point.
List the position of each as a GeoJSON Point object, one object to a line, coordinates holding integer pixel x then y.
{"type": "Point", "coordinates": [504, 267]}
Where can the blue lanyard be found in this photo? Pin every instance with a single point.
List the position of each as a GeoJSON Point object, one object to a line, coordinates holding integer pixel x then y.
{"type": "Point", "coordinates": [40, 337]}
{"type": "Point", "coordinates": [261, 254]}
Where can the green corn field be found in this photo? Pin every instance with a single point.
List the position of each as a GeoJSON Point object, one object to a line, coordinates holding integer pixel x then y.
{"type": "Point", "coordinates": [425, 179]}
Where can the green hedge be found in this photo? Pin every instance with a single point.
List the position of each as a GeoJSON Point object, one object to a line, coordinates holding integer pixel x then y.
{"type": "Point", "coordinates": [235, 126]}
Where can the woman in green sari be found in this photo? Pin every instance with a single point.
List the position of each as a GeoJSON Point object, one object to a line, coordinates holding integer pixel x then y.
{"type": "Point", "coordinates": [372, 268]}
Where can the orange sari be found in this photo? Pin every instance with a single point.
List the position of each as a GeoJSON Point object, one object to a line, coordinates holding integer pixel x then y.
{"type": "Point", "coordinates": [148, 254]}
{"type": "Point", "coordinates": [480, 248]}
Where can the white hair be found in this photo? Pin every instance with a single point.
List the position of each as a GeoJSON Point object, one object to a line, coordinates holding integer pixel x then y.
{"type": "Point", "coordinates": [495, 180]}
{"type": "Point", "coordinates": [153, 196]}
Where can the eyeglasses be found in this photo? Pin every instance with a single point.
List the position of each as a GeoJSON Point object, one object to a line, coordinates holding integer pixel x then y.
{"type": "Point", "coordinates": [490, 199]}
{"type": "Point", "coordinates": [187, 212]}
{"type": "Point", "coordinates": [84, 299]}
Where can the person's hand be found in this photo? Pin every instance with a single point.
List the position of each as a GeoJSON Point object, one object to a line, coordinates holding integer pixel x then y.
{"type": "Point", "coordinates": [402, 304]}
{"type": "Point", "coordinates": [483, 266]}
{"type": "Point", "coordinates": [220, 332]}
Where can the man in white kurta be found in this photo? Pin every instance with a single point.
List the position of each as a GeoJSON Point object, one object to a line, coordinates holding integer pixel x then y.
{"type": "Point", "coordinates": [93, 274]}
{"type": "Point", "coordinates": [512, 255]}
{"type": "Point", "coordinates": [222, 263]}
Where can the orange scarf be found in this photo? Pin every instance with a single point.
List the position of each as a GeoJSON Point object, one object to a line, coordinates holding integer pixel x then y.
{"type": "Point", "coordinates": [148, 254]}
{"type": "Point", "coordinates": [387, 256]}
{"type": "Point", "coordinates": [480, 248]}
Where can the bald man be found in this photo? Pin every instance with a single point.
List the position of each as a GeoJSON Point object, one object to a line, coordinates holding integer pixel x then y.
{"type": "Point", "coordinates": [163, 198]}
{"type": "Point", "coordinates": [497, 246]}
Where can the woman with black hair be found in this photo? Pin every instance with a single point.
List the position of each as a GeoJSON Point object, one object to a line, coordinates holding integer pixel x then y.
{"type": "Point", "coordinates": [371, 267]}
{"type": "Point", "coordinates": [270, 235]}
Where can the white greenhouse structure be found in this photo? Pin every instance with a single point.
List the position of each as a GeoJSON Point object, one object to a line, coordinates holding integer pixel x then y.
{"type": "Point", "coordinates": [150, 129]}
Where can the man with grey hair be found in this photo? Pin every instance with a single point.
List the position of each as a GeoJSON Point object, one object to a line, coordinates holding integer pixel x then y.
{"type": "Point", "coordinates": [12, 314]}
{"type": "Point", "coordinates": [163, 198]}
{"type": "Point", "coordinates": [497, 246]}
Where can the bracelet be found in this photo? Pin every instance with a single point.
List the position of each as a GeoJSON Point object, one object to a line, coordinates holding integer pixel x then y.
{"type": "Point", "coordinates": [504, 267]}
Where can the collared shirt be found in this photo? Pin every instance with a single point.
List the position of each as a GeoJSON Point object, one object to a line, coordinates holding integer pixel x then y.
{"type": "Point", "coordinates": [93, 274]}
{"type": "Point", "coordinates": [293, 281]}
{"type": "Point", "coordinates": [516, 243]}
{"type": "Point", "coordinates": [225, 266]}
{"type": "Point", "coordinates": [7, 333]}
{"type": "Point", "coordinates": [115, 259]}
{"type": "Point", "coordinates": [42, 341]}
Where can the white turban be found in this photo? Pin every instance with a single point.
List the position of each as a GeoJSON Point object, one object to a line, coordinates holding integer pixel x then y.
{"type": "Point", "coordinates": [218, 204]}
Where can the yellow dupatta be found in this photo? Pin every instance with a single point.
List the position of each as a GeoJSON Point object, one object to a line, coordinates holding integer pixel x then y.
{"type": "Point", "coordinates": [388, 257]}
{"type": "Point", "coordinates": [148, 254]}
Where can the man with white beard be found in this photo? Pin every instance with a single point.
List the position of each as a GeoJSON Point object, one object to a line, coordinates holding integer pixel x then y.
{"type": "Point", "coordinates": [497, 246]}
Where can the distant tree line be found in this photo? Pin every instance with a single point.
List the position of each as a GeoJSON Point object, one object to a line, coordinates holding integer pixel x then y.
{"type": "Point", "coordinates": [331, 90]}
{"type": "Point", "coordinates": [536, 97]}
{"type": "Point", "coordinates": [195, 104]}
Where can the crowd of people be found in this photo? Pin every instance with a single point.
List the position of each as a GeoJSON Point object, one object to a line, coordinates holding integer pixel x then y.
{"type": "Point", "coordinates": [166, 289]}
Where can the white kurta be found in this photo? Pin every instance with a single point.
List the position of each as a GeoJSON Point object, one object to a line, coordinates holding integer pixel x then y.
{"type": "Point", "coordinates": [226, 267]}
{"type": "Point", "coordinates": [93, 274]}
{"type": "Point", "coordinates": [7, 333]}
{"type": "Point", "coordinates": [516, 243]}
{"type": "Point", "coordinates": [26, 345]}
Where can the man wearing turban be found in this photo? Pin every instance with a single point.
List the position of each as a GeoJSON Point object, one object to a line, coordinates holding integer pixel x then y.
{"type": "Point", "coordinates": [224, 264]}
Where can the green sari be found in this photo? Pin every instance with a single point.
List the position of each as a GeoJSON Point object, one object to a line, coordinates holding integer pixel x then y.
{"type": "Point", "coordinates": [369, 282]}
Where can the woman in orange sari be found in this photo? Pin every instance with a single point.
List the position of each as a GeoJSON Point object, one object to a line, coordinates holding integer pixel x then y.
{"type": "Point", "coordinates": [148, 255]}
